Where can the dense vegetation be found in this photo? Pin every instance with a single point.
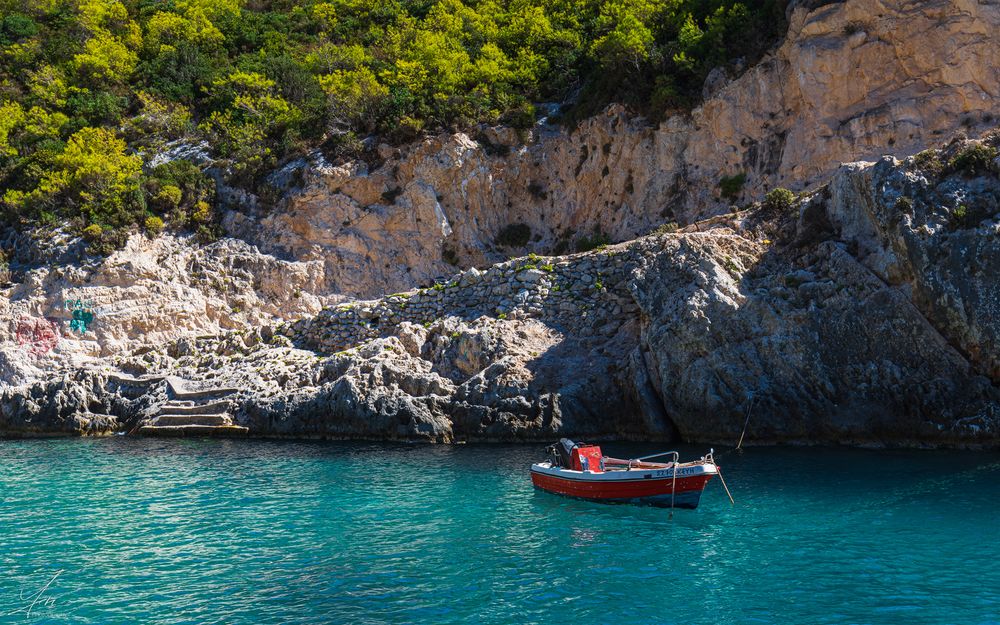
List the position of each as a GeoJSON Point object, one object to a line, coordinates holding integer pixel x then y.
{"type": "Point", "coordinates": [90, 90]}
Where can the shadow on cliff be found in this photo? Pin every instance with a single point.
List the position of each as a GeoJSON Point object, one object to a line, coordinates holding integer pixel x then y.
{"type": "Point", "coordinates": [803, 342]}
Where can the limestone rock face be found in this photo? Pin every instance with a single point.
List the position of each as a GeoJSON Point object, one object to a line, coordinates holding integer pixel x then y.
{"type": "Point", "coordinates": [854, 80]}
{"type": "Point", "coordinates": [865, 314]}
{"type": "Point", "coordinates": [72, 404]}
{"type": "Point", "coordinates": [934, 238]}
{"type": "Point", "coordinates": [148, 293]}
{"type": "Point", "coordinates": [824, 353]}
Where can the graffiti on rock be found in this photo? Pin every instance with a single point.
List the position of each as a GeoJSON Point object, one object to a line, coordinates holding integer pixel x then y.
{"type": "Point", "coordinates": [37, 335]}
{"type": "Point", "coordinates": [83, 315]}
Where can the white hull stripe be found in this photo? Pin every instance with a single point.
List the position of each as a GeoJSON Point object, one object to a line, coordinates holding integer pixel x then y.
{"type": "Point", "coordinates": [632, 475]}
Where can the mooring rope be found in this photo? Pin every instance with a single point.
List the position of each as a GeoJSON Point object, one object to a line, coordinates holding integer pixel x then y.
{"type": "Point", "coordinates": [753, 400]}
{"type": "Point", "coordinates": [726, 488]}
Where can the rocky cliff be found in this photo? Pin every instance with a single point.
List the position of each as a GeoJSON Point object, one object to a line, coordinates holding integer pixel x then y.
{"type": "Point", "coordinates": [863, 314]}
{"type": "Point", "coordinates": [854, 80]}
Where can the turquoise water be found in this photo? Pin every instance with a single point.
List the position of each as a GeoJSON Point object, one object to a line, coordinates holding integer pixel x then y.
{"type": "Point", "coordinates": [145, 531]}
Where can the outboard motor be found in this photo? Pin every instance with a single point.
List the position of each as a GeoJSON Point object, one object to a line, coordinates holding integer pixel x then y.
{"type": "Point", "coordinates": [562, 453]}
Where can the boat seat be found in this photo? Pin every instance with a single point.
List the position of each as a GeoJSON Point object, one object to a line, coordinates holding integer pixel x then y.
{"type": "Point", "coordinates": [588, 456]}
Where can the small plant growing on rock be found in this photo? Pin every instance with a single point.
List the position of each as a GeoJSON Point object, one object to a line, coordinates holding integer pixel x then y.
{"type": "Point", "coordinates": [596, 241]}
{"type": "Point", "coordinates": [668, 228]}
{"type": "Point", "coordinates": [389, 197]}
{"type": "Point", "coordinates": [974, 159]}
{"type": "Point", "coordinates": [92, 233]}
{"type": "Point", "coordinates": [960, 217]}
{"type": "Point", "coordinates": [502, 316]}
{"type": "Point", "coordinates": [548, 268]}
{"type": "Point", "coordinates": [779, 200]}
{"type": "Point", "coordinates": [154, 226]}
{"type": "Point", "coordinates": [731, 186]}
{"type": "Point", "coordinates": [904, 205]}
{"type": "Point", "coordinates": [449, 255]}
{"type": "Point", "coordinates": [929, 162]}
{"type": "Point", "coordinates": [513, 235]}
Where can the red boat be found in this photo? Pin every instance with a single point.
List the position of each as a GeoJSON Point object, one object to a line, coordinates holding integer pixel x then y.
{"type": "Point", "coordinates": [582, 471]}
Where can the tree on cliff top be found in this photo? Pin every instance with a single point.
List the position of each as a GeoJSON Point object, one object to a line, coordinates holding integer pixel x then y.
{"type": "Point", "coordinates": [266, 79]}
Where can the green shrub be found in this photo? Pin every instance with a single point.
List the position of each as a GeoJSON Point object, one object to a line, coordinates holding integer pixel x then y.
{"type": "Point", "coordinates": [208, 233]}
{"type": "Point", "coordinates": [929, 162]}
{"type": "Point", "coordinates": [96, 108]}
{"type": "Point", "coordinates": [181, 191]}
{"type": "Point", "coordinates": [732, 186]}
{"type": "Point", "coordinates": [667, 228]}
{"type": "Point", "coordinates": [167, 198]}
{"type": "Point", "coordinates": [92, 233]}
{"type": "Point", "coordinates": [522, 116]}
{"type": "Point", "coordinates": [154, 225]}
{"type": "Point", "coordinates": [514, 235]}
{"type": "Point", "coordinates": [597, 240]}
{"type": "Point", "coordinates": [202, 213]}
{"type": "Point", "coordinates": [960, 217]}
{"type": "Point", "coordinates": [974, 159]}
{"type": "Point", "coordinates": [15, 27]}
{"type": "Point", "coordinates": [779, 199]}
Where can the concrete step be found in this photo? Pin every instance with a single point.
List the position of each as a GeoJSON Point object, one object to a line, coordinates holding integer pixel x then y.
{"type": "Point", "coordinates": [215, 407]}
{"type": "Point", "coordinates": [209, 393]}
{"type": "Point", "coordinates": [192, 419]}
{"type": "Point", "coordinates": [178, 387]}
{"type": "Point", "coordinates": [192, 430]}
{"type": "Point", "coordinates": [124, 378]}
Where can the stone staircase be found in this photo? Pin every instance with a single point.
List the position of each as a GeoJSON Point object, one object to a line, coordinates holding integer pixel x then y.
{"type": "Point", "coordinates": [202, 412]}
